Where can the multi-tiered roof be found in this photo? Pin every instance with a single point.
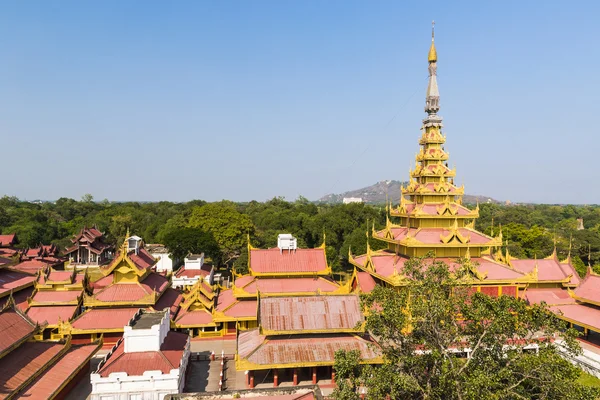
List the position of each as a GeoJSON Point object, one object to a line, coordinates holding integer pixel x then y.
{"type": "Point", "coordinates": [433, 220]}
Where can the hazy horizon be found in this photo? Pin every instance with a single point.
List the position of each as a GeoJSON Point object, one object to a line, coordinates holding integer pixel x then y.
{"type": "Point", "coordinates": [210, 100]}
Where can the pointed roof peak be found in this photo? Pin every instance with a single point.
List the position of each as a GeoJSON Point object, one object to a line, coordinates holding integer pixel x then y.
{"type": "Point", "coordinates": [432, 57]}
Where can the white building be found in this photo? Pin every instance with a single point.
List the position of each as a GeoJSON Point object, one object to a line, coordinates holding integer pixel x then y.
{"type": "Point", "coordinates": [160, 252]}
{"type": "Point", "coordinates": [148, 363]}
{"type": "Point", "coordinates": [192, 271]}
{"type": "Point", "coordinates": [348, 200]}
{"type": "Point", "coordinates": [285, 241]}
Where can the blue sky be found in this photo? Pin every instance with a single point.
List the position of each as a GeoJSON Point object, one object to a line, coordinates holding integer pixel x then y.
{"type": "Point", "coordinates": [240, 100]}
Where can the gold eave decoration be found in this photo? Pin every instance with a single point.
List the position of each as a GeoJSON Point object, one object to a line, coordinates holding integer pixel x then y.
{"type": "Point", "coordinates": [454, 236]}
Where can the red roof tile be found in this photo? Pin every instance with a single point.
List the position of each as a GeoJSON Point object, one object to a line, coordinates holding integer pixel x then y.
{"type": "Point", "coordinates": [286, 285]}
{"type": "Point", "coordinates": [31, 266]}
{"type": "Point", "coordinates": [310, 313]}
{"type": "Point", "coordinates": [155, 282]}
{"type": "Point", "coordinates": [48, 384]}
{"type": "Point", "coordinates": [133, 364]}
{"type": "Point", "coordinates": [51, 314]}
{"type": "Point", "coordinates": [14, 328]}
{"type": "Point", "coordinates": [7, 240]}
{"type": "Point", "coordinates": [191, 273]}
{"type": "Point", "coordinates": [433, 235]}
{"type": "Point", "coordinates": [102, 282]}
{"type": "Point", "coordinates": [20, 298]}
{"type": "Point", "coordinates": [293, 350]}
{"type": "Point", "coordinates": [20, 365]}
{"type": "Point", "coordinates": [275, 261]}
{"type": "Point", "coordinates": [10, 280]}
{"type": "Point", "coordinates": [104, 318]}
{"type": "Point", "coordinates": [432, 209]}
{"type": "Point", "coordinates": [194, 318]}
{"type": "Point", "coordinates": [119, 292]}
{"type": "Point", "coordinates": [56, 296]}
{"type": "Point", "coordinates": [589, 289]}
{"type": "Point", "coordinates": [552, 296]}
{"type": "Point", "coordinates": [171, 299]}
{"type": "Point", "coordinates": [142, 259]}
{"type": "Point", "coordinates": [387, 263]}
{"type": "Point", "coordinates": [242, 309]}
{"type": "Point", "coordinates": [365, 281]}
{"type": "Point", "coordinates": [579, 313]}
{"type": "Point", "coordinates": [225, 299]}
{"type": "Point", "coordinates": [548, 269]}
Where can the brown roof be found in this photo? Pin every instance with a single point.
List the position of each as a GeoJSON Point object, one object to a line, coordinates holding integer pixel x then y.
{"type": "Point", "coordinates": [47, 385]}
{"type": "Point", "coordinates": [310, 313]}
{"type": "Point", "coordinates": [22, 364]}
{"type": "Point", "coordinates": [168, 358]}
{"type": "Point", "coordinates": [276, 261]}
{"type": "Point", "coordinates": [300, 349]}
{"type": "Point", "coordinates": [14, 328]}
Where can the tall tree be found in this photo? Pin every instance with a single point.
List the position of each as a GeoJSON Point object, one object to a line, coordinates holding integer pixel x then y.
{"type": "Point", "coordinates": [226, 224]}
{"type": "Point", "coordinates": [184, 241]}
{"type": "Point", "coordinates": [423, 328]}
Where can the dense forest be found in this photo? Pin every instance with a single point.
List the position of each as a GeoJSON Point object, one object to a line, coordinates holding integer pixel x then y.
{"type": "Point", "coordinates": [221, 229]}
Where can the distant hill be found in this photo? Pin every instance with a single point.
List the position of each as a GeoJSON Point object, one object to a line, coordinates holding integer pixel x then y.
{"type": "Point", "coordinates": [376, 194]}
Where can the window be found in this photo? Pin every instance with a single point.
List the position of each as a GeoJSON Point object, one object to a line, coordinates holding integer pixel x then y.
{"type": "Point", "coordinates": [135, 396]}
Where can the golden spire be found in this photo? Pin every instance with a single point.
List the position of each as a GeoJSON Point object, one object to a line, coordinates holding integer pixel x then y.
{"type": "Point", "coordinates": [432, 57]}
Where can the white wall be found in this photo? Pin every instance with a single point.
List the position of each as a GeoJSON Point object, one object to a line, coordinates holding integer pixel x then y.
{"type": "Point", "coordinates": [152, 385]}
{"type": "Point", "coordinates": [165, 263]}
{"type": "Point", "coordinates": [137, 340]}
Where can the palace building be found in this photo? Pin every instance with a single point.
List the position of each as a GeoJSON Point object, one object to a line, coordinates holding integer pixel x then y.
{"type": "Point", "coordinates": [128, 284]}
{"type": "Point", "coordinates": [89, 248]}
{"type": "Point", "coordinates": [431, 219]}
{"type": "Point", "coordinates": [297, 337]}
{"type": "Point", "coordinates": [285, 270]}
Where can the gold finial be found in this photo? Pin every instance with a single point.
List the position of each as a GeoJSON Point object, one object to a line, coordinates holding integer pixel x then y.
{"type": "Point", "coordinates": [432, 53]}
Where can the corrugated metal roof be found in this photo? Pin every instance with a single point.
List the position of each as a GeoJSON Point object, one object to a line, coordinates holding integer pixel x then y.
{"type": "Point", "coordinates": [310, 313]}
{"type": "Point", "coordinates": [292, 350]}
{"type": "Point", "coordinates": [276, 261]}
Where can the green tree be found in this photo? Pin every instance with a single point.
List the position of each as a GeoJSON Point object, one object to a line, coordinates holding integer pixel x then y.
{"type": "Point", "coordinates": [436, 312]}
{"type": "Point", "coordinates": [184, 241]}
{"type": "Point", "coordinates": [228, 226]}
